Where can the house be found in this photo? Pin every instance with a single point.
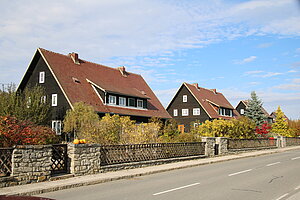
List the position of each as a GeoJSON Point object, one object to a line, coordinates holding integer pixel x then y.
{"type": "Point", "coordinates": [242, 106]}
{"type": "Point", "coordinates": [68, 79]}
{"type": "Point", "coordinates": [192, 105]}
{"type": "Point", "coordinates": [273, 115]}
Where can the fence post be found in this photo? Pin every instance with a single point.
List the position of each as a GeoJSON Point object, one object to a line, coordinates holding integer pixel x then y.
{"type": "Point", "coordinates": [223, 145]}
{"type": "Point", "coordinates": [32, 163]}
{"type": "Point", "coordinates": [84, 158]}
{"type": "Point", "coordinates": [209, 146]}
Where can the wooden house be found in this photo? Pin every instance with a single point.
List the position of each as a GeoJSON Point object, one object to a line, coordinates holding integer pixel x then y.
{"type": "Point", "coordinates": [192, 105]}
{"type": "Point", "coordinates": [242, 106]}
{"type": "Point", "coordinates": [68, 79]}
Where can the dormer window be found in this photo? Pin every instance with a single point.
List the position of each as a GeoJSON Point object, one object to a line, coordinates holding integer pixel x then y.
{"type": "Point", "coordinates": [112, 100]}
{"type": "Point", "coordinates": [131, 102]}
{"type": "Point", "coordinates": [122, 101]}
{"type": "Point", "coordinates": [184, 98]}
{"type": "Point", "coordinates": [140, 103]}
{"type": "Point", "coordinates": [42, 77]}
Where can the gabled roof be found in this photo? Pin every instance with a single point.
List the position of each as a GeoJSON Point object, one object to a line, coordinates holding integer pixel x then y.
{"type": "Point", "coordinates": [245, 102]}
{"type": "Point", "coordinates": [111, 80]}
{"type": "Point", "coordinates": [210, 100]}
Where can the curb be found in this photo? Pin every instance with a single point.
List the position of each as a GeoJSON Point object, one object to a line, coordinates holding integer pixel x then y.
{"type": "Point", "coordinates": [60, 185]}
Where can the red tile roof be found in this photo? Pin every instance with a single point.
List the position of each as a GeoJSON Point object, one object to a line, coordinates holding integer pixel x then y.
{"type": "Point", "coordinates": [109, 79]}
{"type": "Point", "coordinates": [210, 98]}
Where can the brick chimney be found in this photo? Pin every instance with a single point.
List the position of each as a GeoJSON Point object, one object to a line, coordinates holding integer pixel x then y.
{"type": "Point", "coordinates": [123, 71]}
{"type": "Point", "coordinates": [214, 90]}
{"type": "Point", "coordinates": [196, 85]}
{"type": "Point", "coordinates": [75, 58]}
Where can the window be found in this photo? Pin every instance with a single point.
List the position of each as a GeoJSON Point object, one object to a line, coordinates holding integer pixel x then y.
{"type": "Point", "coordinates": [131, 102]}
{"type": "Point", "coordinates": [196, 111]}
{"type": "Point", "coordinates": [175, 112]}
{"type": "Point", "coordinates": [185, 112]}
{"type": "Point", "coordinates": [56, 126]}
{"type": "Point", "coordinates": [140, 103]}
{"type": "Point", "coordinates": [122, 101]}
{"type": "Point", "coordinates": [54, 100]}
{"type": "Point", "coordinates": [43, 99]}
{"type": "Point", "coordinates": [184, 98]}
{"type": "Point", "coordinates": [242, 111]}
{"type": "Point", "coordinates": [112, 100]}
{"type": "Point", "coordinates": [42, 77]}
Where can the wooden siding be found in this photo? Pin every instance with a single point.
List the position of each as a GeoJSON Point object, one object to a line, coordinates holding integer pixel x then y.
{"type": "Point", "coordinates": [177, 103]}
{"type": "Point", "coordinates": [51, 87]}
{"type": "Point", "coordinates": [239, 107]}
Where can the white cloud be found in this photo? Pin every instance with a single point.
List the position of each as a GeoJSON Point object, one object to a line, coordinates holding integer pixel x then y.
{"type": "Point", "coordinates": [265, 45]}
{"type": "Point", "coordinates": [253, 72]}
{"type": "Point", "coordinates": [271, 74]}
{"type": "Point", "coordinates": [246, 60]}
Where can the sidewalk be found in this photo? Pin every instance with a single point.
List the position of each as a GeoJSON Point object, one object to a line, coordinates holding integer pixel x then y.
{"type": "Point", "coordinates": [43, 187]}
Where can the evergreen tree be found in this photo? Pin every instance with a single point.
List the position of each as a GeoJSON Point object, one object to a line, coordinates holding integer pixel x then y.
{"type": "Point", "coordinates": [280, 126]}
{"type": "Point", "coordinates": [254, 110]}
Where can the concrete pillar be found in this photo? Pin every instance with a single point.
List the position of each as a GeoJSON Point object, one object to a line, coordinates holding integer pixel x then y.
{"type": "Point", "coordinates": [209, 146]}
{"type": "Point", "coordinates": [223, 144]}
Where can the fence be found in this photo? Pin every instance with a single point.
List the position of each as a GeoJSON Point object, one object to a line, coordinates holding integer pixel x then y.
{"type": "Point", "coordinates": [292, 141]}
{"type": "Point", "coordinates": [116, 154]}
{"type": "Point", "coordinates": [234, 144]}
{"type": "Point", "coordinates": [5, 161]}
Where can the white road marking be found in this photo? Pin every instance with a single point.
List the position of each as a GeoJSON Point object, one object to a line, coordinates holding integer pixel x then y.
{"type": "Point", "coordinates": [281, 197]}
{"type": "Point", "coordinates": [171, 190]}
{"type": "Point", "coordinates": [271, 164]}
{"type": "Point", "coordinates": [248, 170]}
{"type": "Point", "coordinates": [295, 158]}
{"type": "Point", "coordinates": [297, 188]}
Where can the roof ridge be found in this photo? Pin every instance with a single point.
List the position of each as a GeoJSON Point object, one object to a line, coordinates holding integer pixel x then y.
{"type": "Point", "coordinates": [210, 90]}
{"type": "Point", "coordinates": [88, 61]}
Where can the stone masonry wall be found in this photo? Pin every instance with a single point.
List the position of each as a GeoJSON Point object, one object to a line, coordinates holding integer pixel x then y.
{"type": "Point", "coordinates": [31, 163]}
{"type": "Point", "coordinates": [84, 158]}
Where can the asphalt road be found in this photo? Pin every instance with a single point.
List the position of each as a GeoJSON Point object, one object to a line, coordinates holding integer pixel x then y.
{"type": "Point", "coordinates": [275, 176]}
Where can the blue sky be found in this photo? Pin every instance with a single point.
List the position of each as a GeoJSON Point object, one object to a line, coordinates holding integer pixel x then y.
{"type": "Point", "coordinates": [234, 46]}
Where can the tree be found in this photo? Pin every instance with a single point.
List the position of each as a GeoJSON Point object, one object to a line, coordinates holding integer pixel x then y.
{"type": "Point", "coordinates": [27, 105]}
{"type": "Point", "coordinates": [280, 126]}
{"type": "Point", "coordinates": [170, 131]}
{"type": "Point", "coordinates": [254, 110]}
{"type": "Point", "coordinates": [294, 126]}
{"type": "Point", "coordinates": [80, 120]}
{"type": "Point", "coordinates": [21, 132]}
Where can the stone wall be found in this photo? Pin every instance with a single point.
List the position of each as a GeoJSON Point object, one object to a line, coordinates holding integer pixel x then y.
{"type": "Point", "coordinates": [84, 158]}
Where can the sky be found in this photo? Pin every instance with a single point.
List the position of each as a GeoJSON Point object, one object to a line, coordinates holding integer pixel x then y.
{"type": "Point", "coordinates": [234, 46]}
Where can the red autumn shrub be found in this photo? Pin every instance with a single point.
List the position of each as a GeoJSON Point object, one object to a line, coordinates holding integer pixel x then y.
{"type": "Point", "coordinates": [19, 132]}
{"type": "Point", "coordinates": [263, 130]}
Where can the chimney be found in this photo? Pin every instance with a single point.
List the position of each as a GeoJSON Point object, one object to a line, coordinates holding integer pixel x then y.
{"type": "Point", "coordinates": [75, 58]}
{"type": "Point", "coordinates": [123, 71]}
{"type": "Point", "coordinates": [196, 85]}
{"type": "Point", "coordinates": [214, 91]}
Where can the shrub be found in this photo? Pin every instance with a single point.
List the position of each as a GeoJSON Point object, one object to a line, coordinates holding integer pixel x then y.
{"type": "Point", "coordinates": [20, 132]}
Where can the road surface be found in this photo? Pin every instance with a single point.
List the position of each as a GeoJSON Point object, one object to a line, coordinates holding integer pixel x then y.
{"type": "Point", "coordinates": [274, 176]}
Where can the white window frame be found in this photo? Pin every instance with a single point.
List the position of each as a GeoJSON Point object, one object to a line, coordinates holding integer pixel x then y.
{"type": "Point", "coordinates": [140, 101]}
{"type": "Point", "coordinates": [196, 111]}
{"type": "Point", "coordinates": [242, 111]}
{"type": "Point", "coordinates": [184, 98]}
{"type": "Point", "coordinates": [43, 99]}
{"type": "Point", "coordinates": [175, 112]}
{"type": "Point", "coordinates": [54, 100]}
{"type": "Point", "coordinates": [42, 77]}
{"type": "Point", "coordinates": [112, 100]}
{"type": "Point", "coordinates": [133, 101]}
{"type": "Point", "coordinates": [185, 112]}
{"type": "Point", "coordinates": [123, 100]}
{"type": "Point", "coordinates": [56, 126]}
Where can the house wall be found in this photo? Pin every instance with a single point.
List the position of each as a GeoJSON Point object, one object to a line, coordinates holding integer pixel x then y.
{"type": "Point", "coordinates": [177, 103]}
{"type": "Point", "coordinates": [239, 107]}
{"type": "Point", "coordinates": [51, 87]}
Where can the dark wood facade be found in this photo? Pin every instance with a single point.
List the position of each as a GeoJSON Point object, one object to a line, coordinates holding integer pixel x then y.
{"type": "Point", "coordinates": [50, 85]}
{"type": "Point", "coordinates": [177, 103]}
